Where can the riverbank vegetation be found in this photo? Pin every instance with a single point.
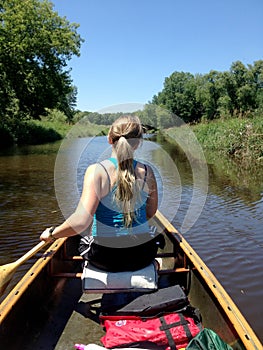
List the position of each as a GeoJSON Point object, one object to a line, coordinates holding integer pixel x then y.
{"type": "Point", "coordinates": [239, 139]}
{"type": "Point", "coordinates": [242, 139]}
{"type": "Point", "coordinates": [52, 127]}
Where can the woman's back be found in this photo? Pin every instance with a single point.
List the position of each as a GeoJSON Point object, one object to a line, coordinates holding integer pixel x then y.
{"type": "Point", "coordinates": [109, 219]}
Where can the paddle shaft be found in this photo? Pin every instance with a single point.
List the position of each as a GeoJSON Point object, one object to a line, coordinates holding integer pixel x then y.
{"type": "Point", "coordinates": [30, 253]}
{"type": "Point", "coordinates": [7, 271]}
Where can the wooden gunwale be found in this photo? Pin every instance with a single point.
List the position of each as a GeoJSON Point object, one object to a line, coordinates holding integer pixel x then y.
{"type": "Point", "coordinates": [19, 289]}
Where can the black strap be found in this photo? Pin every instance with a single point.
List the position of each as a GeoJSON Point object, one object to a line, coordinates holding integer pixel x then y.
{"type": "Point", "coordinates": [182, 322]}
{"type": "Point", "coordinates": [145, 176]}
{"type": "Point", "coordinates": [186, 327]}
{"type": "Point", "coordinates": [165, 327]}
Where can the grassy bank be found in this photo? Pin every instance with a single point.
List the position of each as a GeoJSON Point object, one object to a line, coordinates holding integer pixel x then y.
{"type": "Point", "coordinates": [34, 132]}
{"type": "Point", "coordinates": [62, 130]}
{"type": "Point", "coordinates": [240, 139]}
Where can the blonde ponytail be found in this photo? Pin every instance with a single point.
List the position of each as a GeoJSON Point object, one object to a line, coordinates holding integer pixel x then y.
{"type": "Point", "coordinates": [126, 133]}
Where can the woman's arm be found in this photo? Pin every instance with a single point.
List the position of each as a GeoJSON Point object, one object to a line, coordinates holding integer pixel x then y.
{"type": "Point", "coordinates": [82, 218]}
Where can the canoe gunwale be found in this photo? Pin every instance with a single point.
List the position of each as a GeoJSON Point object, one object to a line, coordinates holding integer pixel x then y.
{"type": "Point", "coordinates": [26, 281]}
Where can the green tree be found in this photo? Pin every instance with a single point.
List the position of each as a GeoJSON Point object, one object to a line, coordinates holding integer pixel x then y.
{"type": "Point", "coordinates": [256, 78]}
{"type": "Point", "coordinates": [228, 96]}
{"type": "Point", "coordinates": [242, 96]}
{"type": "Point", "coordinates": [211, 94]}
{"type": "Point", "coordinates": [35, 45]}
{"type": "Point", "coordinates": [178, 96]}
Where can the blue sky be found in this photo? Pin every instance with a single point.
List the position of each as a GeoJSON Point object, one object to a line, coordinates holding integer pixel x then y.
{"type": "Point", "coordinates": [131, 46]}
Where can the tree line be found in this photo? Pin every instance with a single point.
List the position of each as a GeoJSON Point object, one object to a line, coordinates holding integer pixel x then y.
{"type": "Point", "coordinates": [234, 93]}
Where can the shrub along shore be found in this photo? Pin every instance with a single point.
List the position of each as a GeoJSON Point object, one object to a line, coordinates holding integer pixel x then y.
{"type": "Point", "coordinates": [237, 138]}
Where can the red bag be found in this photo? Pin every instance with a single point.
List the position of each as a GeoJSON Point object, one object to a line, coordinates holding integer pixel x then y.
{"type": "Point", "coordinates": [171, 331]}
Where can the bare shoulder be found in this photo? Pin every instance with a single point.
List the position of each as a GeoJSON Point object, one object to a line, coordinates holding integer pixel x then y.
{"type": "Point", "coordinates": [93, 171]}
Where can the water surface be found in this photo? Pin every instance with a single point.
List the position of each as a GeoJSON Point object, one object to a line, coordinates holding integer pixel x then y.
{"type": "Point", "coordinates": [227, 234]}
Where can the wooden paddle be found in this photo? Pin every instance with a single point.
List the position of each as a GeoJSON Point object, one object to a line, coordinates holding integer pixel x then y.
{"type": "Point", "coordinates": [7, 271]}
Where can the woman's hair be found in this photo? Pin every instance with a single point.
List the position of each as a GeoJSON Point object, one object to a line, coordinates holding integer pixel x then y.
{"type": "Point", "coordinates": [126, 134]}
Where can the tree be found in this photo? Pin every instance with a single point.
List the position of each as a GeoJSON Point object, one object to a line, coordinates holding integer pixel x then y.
{"type": "Point", "coordinates": [211, 94]}
{"type": "Point", "coordinates": [243, 89]}
{"type": "Point", "coordinates": [178, 96]}
{"type": "Point", "coordinates": [256, 73]}
{"type": "Point", "coordinates": [35, 45]}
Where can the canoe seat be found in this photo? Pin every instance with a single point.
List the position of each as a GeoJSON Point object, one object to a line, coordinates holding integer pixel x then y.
{"type": "Point", "coordinates": [95, 280]}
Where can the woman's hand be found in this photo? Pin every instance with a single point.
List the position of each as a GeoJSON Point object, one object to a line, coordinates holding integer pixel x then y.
{"type": "Point", "coordinates": [47, 235]}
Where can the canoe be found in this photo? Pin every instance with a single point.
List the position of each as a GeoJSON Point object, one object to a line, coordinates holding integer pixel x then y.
{"type": "Point", "coordinates": [47, 308]}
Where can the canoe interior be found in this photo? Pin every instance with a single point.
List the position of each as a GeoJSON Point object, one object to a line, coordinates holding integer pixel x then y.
{"type": "Point", "coordinates": [47, 309]}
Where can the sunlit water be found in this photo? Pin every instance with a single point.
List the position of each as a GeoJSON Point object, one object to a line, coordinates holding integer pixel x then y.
{"type": "Point", "coordinates": [227, 234]}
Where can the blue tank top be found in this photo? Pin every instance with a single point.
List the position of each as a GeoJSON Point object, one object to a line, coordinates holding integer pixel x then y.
{"type": "Point", "coordinates": [108, 220]}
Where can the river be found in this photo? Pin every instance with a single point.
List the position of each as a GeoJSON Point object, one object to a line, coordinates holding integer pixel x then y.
{"type": "Point", "coordinates": [218, 207]}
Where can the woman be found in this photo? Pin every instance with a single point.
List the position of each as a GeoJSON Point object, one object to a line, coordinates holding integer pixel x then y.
{"type": "Point", "coordinates": [119, 196]}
